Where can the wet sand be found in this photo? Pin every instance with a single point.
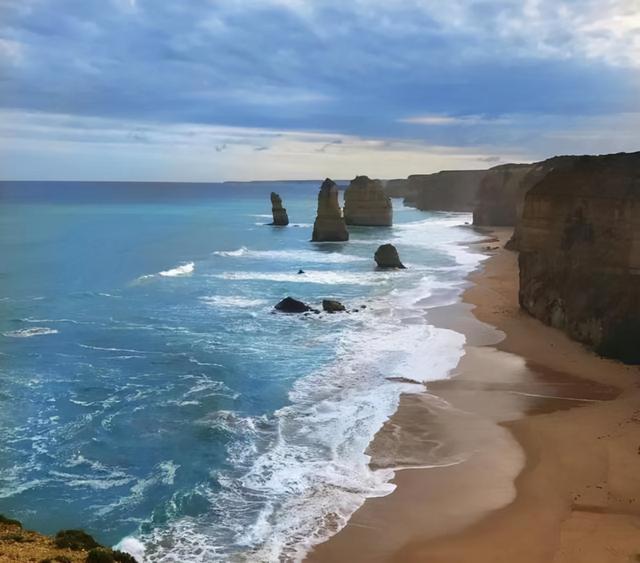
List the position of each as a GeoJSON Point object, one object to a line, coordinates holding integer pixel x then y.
{"type": "Point", "coordinates": [530, 452]}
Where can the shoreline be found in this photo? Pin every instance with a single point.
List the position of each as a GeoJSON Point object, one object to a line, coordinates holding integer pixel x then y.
{"type": "Point", "coordinates": [526, 453]}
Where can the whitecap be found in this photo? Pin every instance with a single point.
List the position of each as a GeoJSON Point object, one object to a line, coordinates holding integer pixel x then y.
{"type": "Point", "coordinates": [298, 256]}
{"type": "Point", "coordinates": [311, 276]}
{"type": "Point", "coordinates": [182, 270]}
{"type": "Point", "coordinates": [132, 546]}
{"type": "Point", "coordinates": [232, 302]}
{"type": "Point", "coordinates": [29, 332]}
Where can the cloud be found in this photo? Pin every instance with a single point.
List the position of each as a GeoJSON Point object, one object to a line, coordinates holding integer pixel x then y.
{"type": "Point", "coordinates": [465, 73]}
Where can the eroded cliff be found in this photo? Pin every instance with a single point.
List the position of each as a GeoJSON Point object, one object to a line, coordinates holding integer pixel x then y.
{"type": "Point", "coordinates": [580, 252]}
{"type": "Point", "coordinates": [449, 190]}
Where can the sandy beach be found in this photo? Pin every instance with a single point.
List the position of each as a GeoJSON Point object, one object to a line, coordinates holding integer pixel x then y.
{"type": "Point", "coordinates": [530, 452]}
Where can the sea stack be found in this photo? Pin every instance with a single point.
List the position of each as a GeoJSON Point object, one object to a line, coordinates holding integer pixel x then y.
{"type": "Point", "coordinates": [329, 224]}
{"type": "Point", "coordinates": [580, 252]}
{"type": "Point", "coordinates": [280, 217]}
{"type": "Point", "coordinates": [366, 204]}
{"type": "Point", "coordinates": [387, 257]}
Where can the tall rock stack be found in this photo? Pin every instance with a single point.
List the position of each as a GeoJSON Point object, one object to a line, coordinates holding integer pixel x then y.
{"type": "Point", "coordinates": [580, 252]}
{"type": "Point", "coordinates": [366, 204]}
{"type": "Point", "coordinates": [280, 217]}
{"type": "Point", "coordinates": [329, 224]}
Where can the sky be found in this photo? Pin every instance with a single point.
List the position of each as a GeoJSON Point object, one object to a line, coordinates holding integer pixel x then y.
{"type": "Point", "coordinates": [213, 90]}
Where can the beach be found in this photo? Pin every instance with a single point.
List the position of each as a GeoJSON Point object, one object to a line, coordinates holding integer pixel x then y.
{"type": "Point", "coordinates": [529, 452]}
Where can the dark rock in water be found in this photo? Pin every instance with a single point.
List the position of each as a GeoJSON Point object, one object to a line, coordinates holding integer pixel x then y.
{"type": "Point", "coordinates": [291, 305]}
{"type": "Point", "coordinates": [387, 257]}
{"type": "Point", "coordinates": [280, 217]}
{"type": "Point", "coordinates": [332, 306]}
{"type": "Point", "coordinates": [366, 204]}
{"type": "Point", "coordinates": [580, 252]}
{"type": "Point", "coordinates": [301, 271]}
{"type": "Point", "coordinates": [329, 224]}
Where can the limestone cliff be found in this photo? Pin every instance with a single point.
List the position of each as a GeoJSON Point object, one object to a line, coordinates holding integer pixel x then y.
{"type": "Point", "coordinates": [329, 224]}
{"type": "Point", "coordinates": [398, 187]}
{"type": "Point", "coordinates": [366, 204]}
{"type": "Point", "coordinates": [280, 216]}
{"type": "Point", "coordinates": [580, 252]}
{"type": "Point", "coordinates": [449, 190]}
{"type": "Point", "coordinates": [498, 195]}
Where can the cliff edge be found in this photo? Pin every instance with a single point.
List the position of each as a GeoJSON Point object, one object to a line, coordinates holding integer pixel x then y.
{"type": "Point", "coordinates": [579, 246]}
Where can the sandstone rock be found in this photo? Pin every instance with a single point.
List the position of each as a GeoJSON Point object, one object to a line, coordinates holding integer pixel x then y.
{"type": "Point", "coordinates": [280, 217]}
{"type": "Point", "coordinates": [332, 306]}
{"type": "Point", "coordinates": [398, 187]}
{"type": "Point", "coordinates": [291, 305]}
{"type": "Point", "coordinates": [535, 175]}
{"type": "Point", "coordinates": [449, 190]}
{"type": "Point", "coordinates": [329, 224]}
{"type": "Point", "coordinates": [366, 204]}
{"type": "Point", "coordinates": [387, 257]}
{"type": "Point", "coordinates": [580, 252]}
{"type": "Point", "coordinates": [499, 194]}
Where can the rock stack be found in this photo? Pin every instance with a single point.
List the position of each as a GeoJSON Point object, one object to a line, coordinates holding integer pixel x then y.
{"type": "Point", "coordinates": [387, 257]}
{"type": "Point", "coordinates": [366, 204]}
{"type": "Point", "coordinates": [280, 217]}
{"type": "Point", "coordinates": [329, 224]}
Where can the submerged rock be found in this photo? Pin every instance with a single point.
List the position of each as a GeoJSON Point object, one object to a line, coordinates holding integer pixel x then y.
{"type": "Point", "coordinates": [329, 224]}
{"type": "Point", "coordinates": [280, 217]}
{"type": "Point", "coordinates": [332, 306]}
{"type": "Point", "coordinates": [367, 204]}
{"type": "Point", "coordinates": [291, 305]}
{"type": "Point", "coordinates": [387, 257]}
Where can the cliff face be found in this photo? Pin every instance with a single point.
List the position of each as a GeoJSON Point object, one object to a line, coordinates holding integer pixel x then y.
{"type": "Point", "coordinates": [449, 190]}
{"type": "Point", "coordinates": [280, 216]}
{"type": "Point", "coordinates": [580, 252]}
{"type": "Point", "coordinates": [398, 187]}
{"type": "Point", "coordinates": [329, 224]}
{"type": "Point", "coordinates": [498, 195]}
{"type": "Point", "coordinates": [366, 204]}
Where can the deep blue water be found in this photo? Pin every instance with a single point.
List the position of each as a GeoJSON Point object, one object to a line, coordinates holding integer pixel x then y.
{"type": "Point", "coordinates": [147, 388]}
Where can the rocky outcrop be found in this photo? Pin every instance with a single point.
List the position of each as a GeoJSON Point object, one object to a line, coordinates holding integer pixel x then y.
{"type": "Point", "coordinates": [498, 195]}
{"type": "Point", "coordinates": [280, 217]}
{"type": "Point", "coordinates": [387, 257]}
{"type": "Point", "coordinates": [333, 306]}
{"type": "Point", "coordinates": [366, 204]}
{"type": "Point", "coordinates": [291, 305]}
{"type": "Point", "coordinates": [449, 190]}
{"type": "Point", "coordinates": [580, 252]}
{"type": "Point", "coordinates": [329, 224]}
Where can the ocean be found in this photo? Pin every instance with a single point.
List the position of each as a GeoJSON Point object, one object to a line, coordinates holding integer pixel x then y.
{"type": "Point", "coordinates": [148, 390]}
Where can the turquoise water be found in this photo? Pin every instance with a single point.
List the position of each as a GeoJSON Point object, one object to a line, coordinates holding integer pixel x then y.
{"type": "Point", "coordinates": [149, 391]}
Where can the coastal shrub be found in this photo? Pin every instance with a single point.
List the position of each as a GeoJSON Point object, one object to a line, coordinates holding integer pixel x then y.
{"type": "Point", "coordinates": [75, 539]}
{"type": "Point", "coordinates": [19, 538]}
{"type": "Point", "coordinates": [104, 555]}
{"type": "Point", "coordinates": [9, 521]}
{"type": "Point", "coordinates": [56, 559]}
